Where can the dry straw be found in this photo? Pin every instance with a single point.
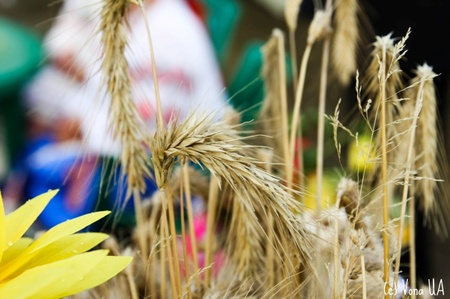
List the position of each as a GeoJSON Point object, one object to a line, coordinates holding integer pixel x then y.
{"type": "Point", "coordinates": [319, 28]}
{"type": "Point", "coordinates": [321, 111]}
{"type": "Point", "coordinates": [383, 82]}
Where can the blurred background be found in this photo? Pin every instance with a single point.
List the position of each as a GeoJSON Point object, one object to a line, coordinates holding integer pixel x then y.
{"type": "Point", "coordinates": [237, 30]}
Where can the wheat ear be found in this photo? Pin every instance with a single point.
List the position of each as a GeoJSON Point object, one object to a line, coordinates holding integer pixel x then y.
{"type": "Point", "coordinates": [124, 118]}
{"type": "Point", "coordinates": [345, 39]}
{"type": "Point", "coordinates": [291, 12]}
{"type": "Point", "coordinates": [274, 110]}
{"type": "Point", "coordinates": [430, 191]}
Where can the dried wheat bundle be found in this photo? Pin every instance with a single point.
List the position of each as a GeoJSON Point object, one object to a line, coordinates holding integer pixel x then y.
{"type": "Point", "coordinates": [219, 148]}
{"type": "Point", "coordinates": [349, 248]}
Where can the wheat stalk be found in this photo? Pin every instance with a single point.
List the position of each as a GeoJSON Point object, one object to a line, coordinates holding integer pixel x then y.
{"type": "Point", "coordinates": [321, 113]}
{"type": "Point", "coordinates": [409, 163]}
{"type": "Point", "coordinates": [385, 64]}
{"type": "Point", "coordinates": [320, 27]}
{"type": "Point", "coordinates": [124, 118]}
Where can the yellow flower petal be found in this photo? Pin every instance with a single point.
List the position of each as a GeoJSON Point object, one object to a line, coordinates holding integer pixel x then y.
{"type": "Point", "coordinates": [2, 227]}
{"type": "Point", "coordinates": [56, 233]}
{"type": "Point", "coordinates": [18, 222]}
{"type": "Point", "coordinates": [107, 268]}
{"type": "Point", "coordinates": [15, 250]}
{"type": "Point", "coordinates": [66, 228]}
{"type": "Point", "coordinates": [66, 247]}
{"type": "Point", "coordinates": [49, 280]}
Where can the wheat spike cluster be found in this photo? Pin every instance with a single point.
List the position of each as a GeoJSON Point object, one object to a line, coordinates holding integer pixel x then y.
{"type": "Point", "coordinates": [261, 240]}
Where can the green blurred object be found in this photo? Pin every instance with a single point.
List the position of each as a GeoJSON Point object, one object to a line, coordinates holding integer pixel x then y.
{"type": "Point", "coordinates": [20, 55]}
{"type": "Point", "coordinates": [247, 88]}
{"type": "Point", "coordinates": [222, 17]}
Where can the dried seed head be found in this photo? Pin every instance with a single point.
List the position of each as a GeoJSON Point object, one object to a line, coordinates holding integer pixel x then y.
{"type": "Point", "coordinates": [345, 39]}
{"type": "Point", "coordinates": [320, 26]}
{"type": "Point", "coordinates": [291, 11]}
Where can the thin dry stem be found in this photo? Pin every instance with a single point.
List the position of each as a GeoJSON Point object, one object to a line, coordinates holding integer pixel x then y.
{"type": "Point", "coordinates": [321, 120]}
{"type": "Point", "coordinates": [190, 212]}
{"type": "Point", "coordinates": [174, 278]}
{"type": "Point", "coordinates": [163, 262]}
{"type": "Point", "coordinates": [406, 182]}
{"type": "Point", "coordinates": [159, 117]}
{"type": "Point", "coordinates": [412, 242]}
{"type": "Point", "coordinates": [384, 178]}
{"type": "Point", "coordinates": [296, 116]}
{"type": "Point", "coordinates": [211, 219]}
{"type": "Point", "coordinates": [183, 236]}
{"type": "Point", "coordinates": [319, 28]}
{"type": "Point", "coordinates": [173, 235]}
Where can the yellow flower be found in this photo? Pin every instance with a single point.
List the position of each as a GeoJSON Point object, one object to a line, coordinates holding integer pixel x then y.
{"type": "Point", "coordinates": [361, 154]}
{"type": "Point", "coordinates": [56, 264]}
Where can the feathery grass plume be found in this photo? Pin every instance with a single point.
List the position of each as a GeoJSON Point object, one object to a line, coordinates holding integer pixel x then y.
{"type": "Point", "coordinates": [431, 192]}
{"type": "Point", "coordinates": [384, 47]}
{"type": "Point", "coordinates": [345, 39]}
{"type": "Point", "coordinates": [390, 68]}
{"type": "Point", "coordinates": [124, 118]}
{"type": "Point", "coordinates": [274, 109]}
{"type": "Point", "coordinates": [219, 148]}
